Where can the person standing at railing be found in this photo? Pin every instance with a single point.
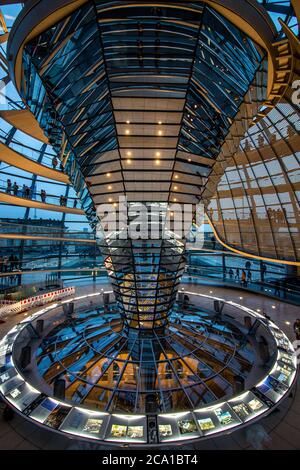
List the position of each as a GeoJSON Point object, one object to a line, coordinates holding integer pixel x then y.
{"type": "Point", "coordinates": [23, 190]}
{"type": "Point", "coordinates": [15, 262]}
{"type": "Point", "coordinates": [54, 162]}
{"type": "Point", "coordinates": [244, 279]}
{"type": "Point", "coordinates": [15, 188]}
{"type": "Point", "coordinates": [43, 195]}
{"type": "Point", "coordinates": [11, 260]}
{"type": "Point", "coordinates": [213, 242]}
{"type": "Point", "coordinates": [27, 192]}
{"type": "Point", "coordinates": [277, 288]}
{"type": "Point", "coordinates": [5, 264]}
{"type": "Point", "coordinates": [8, 186]}
{"type": "Point", "coordinates": [263, 272]}
{"type": "Point", "coordinates": [297, 328]}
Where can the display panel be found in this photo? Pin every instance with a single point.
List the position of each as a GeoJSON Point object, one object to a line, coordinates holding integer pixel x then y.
{"type": "Point", "coordinates": [127, 429]}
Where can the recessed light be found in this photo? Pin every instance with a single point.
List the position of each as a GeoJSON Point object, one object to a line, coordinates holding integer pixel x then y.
{"type": "Point", "coordinates": [175, 187]}
{"type": "Point", "coordinates": [128, 161]}
{"type": "Point", "coordinates": [127, 131]}
{"type": "Point", "coordinates": [109, 187]}
{"type": "Point", "coordinates": [174, 199]}
{"type": "Point", "coordinates": [108, 175]}
{"type": "Point", "coordinates": [127, 122]}
{"type": "Point", "coordinates": [241, 298]}
{"type": "Point", "coordinates": [110, 199]}
{"type": "Point", "coordinates": [176, 177]}
{"type": "Point", "coordinates": [129, 154]}
{"type": "Point", "coordinates": [157, 162]}
{"type": "Point", "coordinates": [189, 159]}
{"type": "Point", "coordinates": [158, 154]}
{"type": "Point", "coordinates": [287, 322]}
{"type": "Point", "coordinates": [159, 132]}
{"type": "Point", "coordinates": [273, 306]}
{"type": "Point", "coordinates": [160, 123]}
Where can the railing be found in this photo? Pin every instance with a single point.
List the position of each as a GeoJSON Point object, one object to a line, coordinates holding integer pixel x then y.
{"type": "Point", "coordinates": [27, 193]}
{"type": "Point", "coordinates": [8, 228]}
{"type": "Point", "coordinates": [203, 266]}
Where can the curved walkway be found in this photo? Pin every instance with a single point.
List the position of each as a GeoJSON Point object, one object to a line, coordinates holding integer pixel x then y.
{"type": "Point", "coordinates": [16, 159]}
{"type": "Point", "coordinates": [19, 236]}
{"type": "Point", "coordinates": [24, 120]}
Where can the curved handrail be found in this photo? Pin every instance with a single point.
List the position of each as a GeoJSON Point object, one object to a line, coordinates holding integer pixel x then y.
{"type": "Point", "coordinates": [24, 202]}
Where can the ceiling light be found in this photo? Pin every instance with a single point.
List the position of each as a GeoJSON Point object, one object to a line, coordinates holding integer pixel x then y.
{"type": "Point", "coordinates": [110, 199]}
{"type": "Point", "coordinates": [176, 177]}
{"type": "Point", "coordinates": [128, 161]}
{"type": "Point", "coordinates": [127, 131]}
{"type": "Point", "coordinates": [109, 187]}
{"type": "Point", "coordinates": [127, 122]}
{"type": "Point", "coordinates": [175, 200]}
{"type": "Point", "coordinates": [160, 123]}
{"type": "Point", "coordinates": [158, 154]}
{"type": "Point", "coordinates": [129, 154]}
{"type": "Point", "coordinates": [189, 160]}
{"type": "Point", "coordinates": [157, 162]}
{"type": "Point", "coordinates": [159, 132]}
{"type": "Point", "coordinates": [175, 187]}
{"type": "Point", "coordinates": [108, 175]}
